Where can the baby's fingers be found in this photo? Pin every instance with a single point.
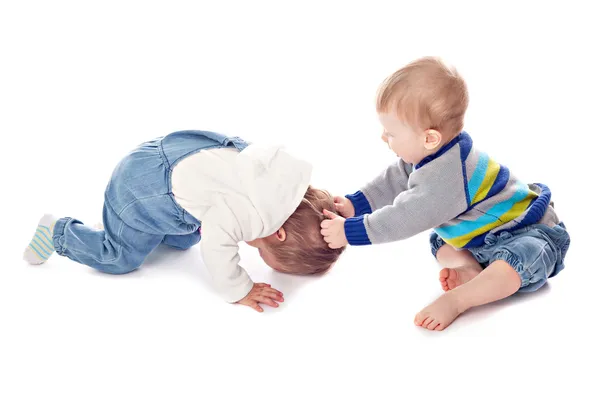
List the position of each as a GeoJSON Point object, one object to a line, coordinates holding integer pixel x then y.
{"type": "Point", "coordinates": [334, 244]}
{"type": "Point", "coordinates": [326, 223]}
{"type": "Point", "coordinates": [272, 293]}
{"type": "Point", "coordinates": [266, 300]}
{"type": "Point", "coordinates": [325, 233]}
{"type": "Point", "coordinates": [327, 237]}
{"type": "Point", "coordinates": [329, 214]}
{"type": "Point", "coordinates": [257, 307]}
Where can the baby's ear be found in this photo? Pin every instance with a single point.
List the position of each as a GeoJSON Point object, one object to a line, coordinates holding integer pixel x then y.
{"type": "Point", "coordinates": [432, 139]}
{"type": "Point", "coordinates": [281, 235]}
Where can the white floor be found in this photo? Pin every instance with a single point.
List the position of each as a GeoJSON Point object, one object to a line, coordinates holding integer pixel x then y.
{"type": "Point", "coordinates": [86, 85]}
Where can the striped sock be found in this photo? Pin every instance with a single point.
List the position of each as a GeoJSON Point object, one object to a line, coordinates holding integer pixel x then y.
{"type": "Point", "coordinates": [41, 246]}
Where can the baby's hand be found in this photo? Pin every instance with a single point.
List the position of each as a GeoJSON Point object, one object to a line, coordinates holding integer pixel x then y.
{"type": "Point", "coordinates": [262, 293]}
{"type": "Point", "coordinates": [332, 230]}
{"type": "Point", "coordinates": [344, 206]}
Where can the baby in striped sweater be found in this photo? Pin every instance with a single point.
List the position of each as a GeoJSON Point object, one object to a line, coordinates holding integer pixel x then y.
{"type": "Point", "coordinates": [492, 234]}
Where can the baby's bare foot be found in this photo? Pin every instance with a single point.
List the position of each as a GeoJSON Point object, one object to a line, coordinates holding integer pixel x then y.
{"type": "Point", "coordinates": [451, 278]}
{"type": "Point", "coordinates": [439, 314]}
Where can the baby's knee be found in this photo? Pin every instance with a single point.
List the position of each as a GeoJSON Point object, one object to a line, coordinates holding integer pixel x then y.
{"type": "Point", "coordinates": [182, 242]}
{"type": "Point", "coordinates": [533, 259]}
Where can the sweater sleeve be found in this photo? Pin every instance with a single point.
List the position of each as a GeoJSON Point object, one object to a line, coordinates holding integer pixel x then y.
{"type": "Point", "coordinates": [382, 190]}
{"type": "Point", "coordinates": [220, 253]}
{"type": "Point", "coordinates": [435, 195]}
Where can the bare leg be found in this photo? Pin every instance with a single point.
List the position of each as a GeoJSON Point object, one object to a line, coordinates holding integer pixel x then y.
{"type": "Point", "coordinates": [459, 267]}
{"type": "Point", "coordinates": [497, 281]}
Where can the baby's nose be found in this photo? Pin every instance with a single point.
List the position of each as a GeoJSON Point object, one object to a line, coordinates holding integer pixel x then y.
{"type": "Point", "coordinates": [384, 137]}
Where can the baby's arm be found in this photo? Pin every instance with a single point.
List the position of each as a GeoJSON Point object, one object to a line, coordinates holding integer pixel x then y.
{"type": "Point", "coordinates": [435, 195]}
{"type": "Point", "coordinates": [220, 254]}
{"type": "Point", "coordinates": [382, 190]}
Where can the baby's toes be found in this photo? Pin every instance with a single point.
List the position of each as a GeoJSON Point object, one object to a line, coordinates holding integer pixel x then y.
{"type": "Point", "coordinates": [420, 318]}
{"type": "Point", "coordinates": [433, 324]}
{"type": "Point", "coordinates": [444, 273]}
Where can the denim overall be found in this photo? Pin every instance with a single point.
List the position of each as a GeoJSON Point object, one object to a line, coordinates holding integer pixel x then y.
{"type": "Point", "coordinates": [140, 211]}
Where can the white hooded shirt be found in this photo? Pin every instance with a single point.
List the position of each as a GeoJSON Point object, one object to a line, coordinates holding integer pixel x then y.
{"type": "Point", "coordinates": [238, 196]}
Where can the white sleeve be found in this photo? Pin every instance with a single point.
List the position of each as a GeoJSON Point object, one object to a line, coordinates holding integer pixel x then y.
{"type": "Point", "coordinates": [220, 253]}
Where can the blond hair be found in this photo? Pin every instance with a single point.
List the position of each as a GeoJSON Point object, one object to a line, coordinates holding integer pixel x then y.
{"type": "Point", "coordinates": [426, 94]}
{"type": "Point", "coordinates": [304, 251]}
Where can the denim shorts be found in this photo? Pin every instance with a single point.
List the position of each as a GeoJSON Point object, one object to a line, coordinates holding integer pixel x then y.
{"type": "Point", "coordinates": [536, 252]}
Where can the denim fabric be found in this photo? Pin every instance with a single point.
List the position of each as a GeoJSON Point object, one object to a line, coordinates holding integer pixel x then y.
{"type": "Point", "coordinates": [140, 211]}
{"type": "Point", "coordinates": [536, 252]}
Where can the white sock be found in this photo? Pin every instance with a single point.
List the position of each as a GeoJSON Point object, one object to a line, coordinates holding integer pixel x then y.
{"type": "Point", "coordinates": [41, 246]}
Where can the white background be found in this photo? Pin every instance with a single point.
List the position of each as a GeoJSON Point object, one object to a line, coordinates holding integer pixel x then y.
{"type": "Point", "coordinates": [82, 83]}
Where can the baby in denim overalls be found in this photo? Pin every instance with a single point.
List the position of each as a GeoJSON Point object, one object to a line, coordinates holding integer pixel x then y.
{"type": "Point", "coordinates": [165, 189]}
{"type": "Point", "coordinates": [493, 234]}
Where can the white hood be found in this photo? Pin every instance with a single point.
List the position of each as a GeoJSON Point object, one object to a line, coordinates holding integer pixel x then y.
{"type": "Point", "coordinates": [238, 197]}
{"type": "Point", "coordinates": [275, 182]}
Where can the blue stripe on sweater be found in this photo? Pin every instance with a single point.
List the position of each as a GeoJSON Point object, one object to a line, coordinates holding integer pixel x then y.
{"type": "Point", "coordinates": [477, 241]}
{"type": "Point", "coordinates": [478, 174]}
{"type": "Point", "coordinates": [466, 144]}
{"type": "Point", "coordinates": [500, 182]}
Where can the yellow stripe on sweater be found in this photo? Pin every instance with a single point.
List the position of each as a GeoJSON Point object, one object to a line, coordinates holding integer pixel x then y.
{"type": "Point", "coordinates": [493, 168]}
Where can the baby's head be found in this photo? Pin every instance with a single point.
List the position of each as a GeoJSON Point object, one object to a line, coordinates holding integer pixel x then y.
{"type": "Point", "coordinates": [298, 246]}
{"type": "Point", "coordinates": [421, 107]}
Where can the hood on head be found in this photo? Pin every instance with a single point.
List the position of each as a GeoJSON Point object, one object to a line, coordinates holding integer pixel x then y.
{"type": "Point", "coordinates": [275, 181]}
